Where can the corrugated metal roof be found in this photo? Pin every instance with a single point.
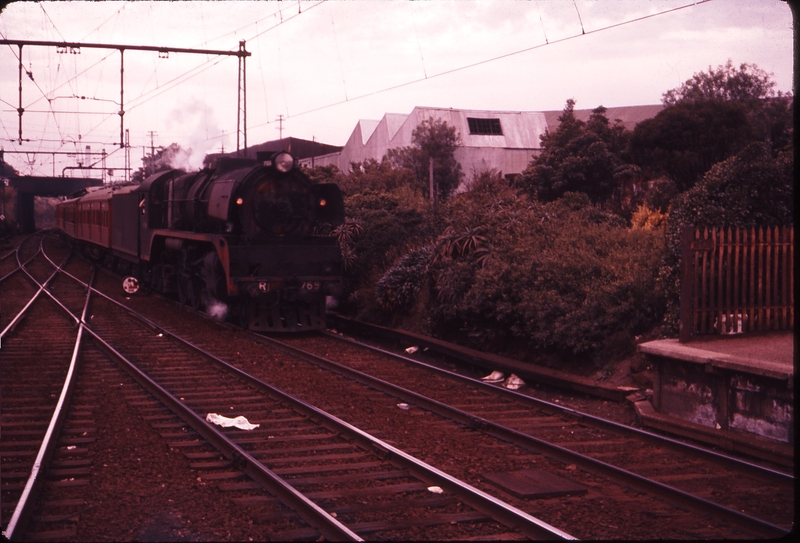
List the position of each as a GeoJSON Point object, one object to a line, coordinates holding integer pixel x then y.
{"type": "Point", "coordinates": [509, 152]}
{"type": "Point", "coordinates": [298, 147]}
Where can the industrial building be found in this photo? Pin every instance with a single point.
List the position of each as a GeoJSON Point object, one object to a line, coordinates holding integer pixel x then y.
{"type": "Point", "coordinates": [502, 140]}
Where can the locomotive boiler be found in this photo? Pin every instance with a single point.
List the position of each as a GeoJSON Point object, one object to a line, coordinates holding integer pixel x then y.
{"type": "Point", "coordinates": [239, 239]}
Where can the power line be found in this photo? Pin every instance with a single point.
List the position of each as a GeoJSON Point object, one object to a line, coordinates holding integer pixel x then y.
{"type": "Point", "coordinates": [493, 59]}
{"type": "Point", "coordinates": [75, 47]}
{"type": "Point", "coordinates": [284, 20]}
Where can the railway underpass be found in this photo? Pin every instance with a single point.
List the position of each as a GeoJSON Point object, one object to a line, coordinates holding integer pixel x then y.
{"type": "Point", "coordinates": [28, 187]}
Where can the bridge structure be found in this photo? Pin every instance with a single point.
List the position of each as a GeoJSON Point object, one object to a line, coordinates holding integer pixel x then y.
{"type": "Point", "coordinates": [28, 187]}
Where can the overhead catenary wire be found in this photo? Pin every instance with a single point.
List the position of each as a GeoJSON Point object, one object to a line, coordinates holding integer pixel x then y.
{"type": "Point", "coordinates": [498, 57]}
{"type": "Point", "coordinates": [338, 53]}
{"type": "Point", "coordinates": [98, 27]}
{"type": "Point", "coordinates": [152, 94]}
{"type": "Point", "coordinates": [263, 79]}
{"type": "Point", "coordinates": [149, 95]}
{"type": "Point", "coordinates": [419, 46]}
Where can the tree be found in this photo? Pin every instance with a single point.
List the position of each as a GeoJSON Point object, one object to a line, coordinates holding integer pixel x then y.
{"type": "Point", "coordinates": [709, 118]}
{"type": "Point", "coordinates": [769, 112]}
{"type": "Point", "coordinates": [684, 140]}
{"type": "Point", "coordinates": [748, 83]}
{"type": "Point", "coordinates": [577, 157]}
{"type": "Point", "coordinates": [434, 140]}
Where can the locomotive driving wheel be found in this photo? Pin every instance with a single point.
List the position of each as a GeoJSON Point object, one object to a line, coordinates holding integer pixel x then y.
{"type": "Point", "coordinates": [190, 287]}
{"type": "Point", "coordinates": [212, 282]}
{"type": "Point", "coordinates": [184, 287]}
{"type": "Point", "coordinates": [240, 313]}
{"type": "Point", "coordinates": [195, 289]}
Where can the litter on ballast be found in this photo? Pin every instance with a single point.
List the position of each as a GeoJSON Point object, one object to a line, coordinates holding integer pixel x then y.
{"type": "Point", "coordinates": [436, 489]}
{"type": "Point", "coordinates": [239, 422]}
{"type": "Point", "coordinates": [494, 377]}
{"type": "Point", "coordinates": [513, 382]}
{"type": "Point", "coordinates": [403, 406]}
{"type": "Point", "coordinates": [412, 350]}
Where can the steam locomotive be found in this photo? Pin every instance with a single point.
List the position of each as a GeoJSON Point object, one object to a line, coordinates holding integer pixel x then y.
{"type": "Point", "coordinates": [237, 239]}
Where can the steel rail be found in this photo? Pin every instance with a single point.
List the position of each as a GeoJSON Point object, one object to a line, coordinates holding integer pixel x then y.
{"type": "Point", "coordinates": [481, 501]}
{"type": "Point", "coordinates": [329, 527]}
{"type": "Point", "coordinates": [494, 507]}
{"type": "Point", "coordinates": [26, 501]}
{"type": "Point", "coordinates": [14, 252]}
{"type": "Point", "coordinates": [632, 480]}
{"type": "Point", "coordinates": [587, 463]}
{"type": "Point", "coordinates": [580, 416]}
{"type": "Point", "coordinates": [42, 288]}
{"type": "Point", "coordinates": [7, 255]}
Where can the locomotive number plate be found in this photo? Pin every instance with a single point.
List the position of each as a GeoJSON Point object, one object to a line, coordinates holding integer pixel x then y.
{"type": "Point", "coordinates": [310, 285]}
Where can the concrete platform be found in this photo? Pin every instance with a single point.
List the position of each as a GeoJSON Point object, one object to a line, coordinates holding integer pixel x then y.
{"type": "Point", "coordinates": [736, 389]}
{"type": "Point", "coordinates": [769, 354]}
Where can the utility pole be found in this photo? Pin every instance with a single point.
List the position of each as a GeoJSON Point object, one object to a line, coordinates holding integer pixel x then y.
{"type": "Point", "coordinates": [280, 126]}
{"type": "Point", "coordinates": [241, 100]}
{"type": "Point", "coordinates": [430, 176]}
{"type": "Point", "coordinates": [127, 144]}
{"type": "Point", "coordinates": [149, 164]}
{"type": "Point", "coordinates": [152, 147]}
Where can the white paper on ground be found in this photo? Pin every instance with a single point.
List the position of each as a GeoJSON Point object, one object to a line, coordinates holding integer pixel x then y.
{"type": "Point", "coordinates": [513, 382]}
{"type": "Point", "coordinates": [494, 377]}
{"type": "Point", "coordinates": [239, 422]}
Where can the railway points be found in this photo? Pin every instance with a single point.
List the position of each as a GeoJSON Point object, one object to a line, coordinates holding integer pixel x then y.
{"type": "Point", "coordinates": [458, 449]}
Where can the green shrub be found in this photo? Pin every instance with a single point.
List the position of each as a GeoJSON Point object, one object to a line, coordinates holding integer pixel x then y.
{"type": "Point", "coordinates": [390, 224]}
{"type": "Point", "coordinates": [750, 189]}
{"type": "Point", "coordinates": [559, 277]}
{"type": "Point", "coordinates": [399, 287]}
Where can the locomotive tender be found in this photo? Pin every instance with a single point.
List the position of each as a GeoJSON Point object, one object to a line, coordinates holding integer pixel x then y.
{"type": "Point", "coordinates": [241, 233]}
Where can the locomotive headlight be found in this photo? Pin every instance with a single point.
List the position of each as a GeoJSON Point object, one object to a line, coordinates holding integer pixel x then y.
{"type": "Point", "coordinates": [283, 162]}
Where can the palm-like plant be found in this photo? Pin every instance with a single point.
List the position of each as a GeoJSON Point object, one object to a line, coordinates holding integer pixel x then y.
{"type": "Point", "coordinates": [346, 234]}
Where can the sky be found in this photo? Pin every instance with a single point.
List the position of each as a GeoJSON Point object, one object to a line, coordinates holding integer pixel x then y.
{"type": "Point", "coordinates": [317, 67]}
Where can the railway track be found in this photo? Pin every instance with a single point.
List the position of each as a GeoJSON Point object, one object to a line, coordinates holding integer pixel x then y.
{"type": "Point", "coordinates": [678, 471]}
{"type": "Point", "coordinates": [353, 475]}
{"type": "Point", "coordinates": [722, 496]}
{"type": "Point", "coordinates": [37, 375]}
{"type": "Point", "coordinates": [462, 427]}
{"type": "Point", "coordinates": [343, 482]}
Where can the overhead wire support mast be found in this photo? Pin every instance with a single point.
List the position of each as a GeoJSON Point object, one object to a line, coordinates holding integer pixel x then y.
{"type": "Point", "coordinates": [241, 99]}
{"type": "Point", "coordinates": [75, 47]}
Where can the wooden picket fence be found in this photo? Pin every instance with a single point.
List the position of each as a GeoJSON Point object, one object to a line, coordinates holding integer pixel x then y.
{"type": "Point", "coordinates": [736, 280]}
